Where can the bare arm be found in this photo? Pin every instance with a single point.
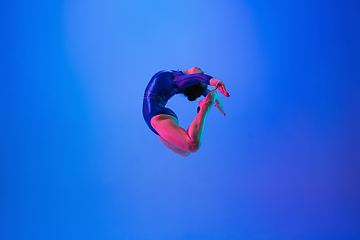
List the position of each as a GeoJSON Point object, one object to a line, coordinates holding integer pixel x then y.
{"type": "Point", "coordinates": [214, 81]}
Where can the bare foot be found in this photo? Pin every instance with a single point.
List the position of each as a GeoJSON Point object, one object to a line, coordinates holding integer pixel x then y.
{"type": "Point", "coordinates": [208, 102]}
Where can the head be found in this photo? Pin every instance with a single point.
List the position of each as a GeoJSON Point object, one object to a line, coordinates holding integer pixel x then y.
{"type": "Point", "coordinates": [195, 91]}
{"type": "Point", "coordinates": [194, 70]}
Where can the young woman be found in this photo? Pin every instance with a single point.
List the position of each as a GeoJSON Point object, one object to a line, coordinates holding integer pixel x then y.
{"type": "Point", "coordinates": [164, 122]}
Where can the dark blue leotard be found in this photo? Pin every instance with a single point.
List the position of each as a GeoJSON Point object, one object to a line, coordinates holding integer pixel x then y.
{"type": "Point", "coordinates": [162, 86]}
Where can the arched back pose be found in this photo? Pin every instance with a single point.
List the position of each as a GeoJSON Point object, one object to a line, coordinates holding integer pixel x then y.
{"type": "Point", "coordinates": [164, 122]}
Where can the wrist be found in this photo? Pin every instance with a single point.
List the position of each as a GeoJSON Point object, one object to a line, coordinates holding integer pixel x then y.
{"type": "Point", "coordinates": [214, 82]}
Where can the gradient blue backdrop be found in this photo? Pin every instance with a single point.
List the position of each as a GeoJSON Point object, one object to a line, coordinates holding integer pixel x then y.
{"type": "Point", "coordinates": [78, 161]}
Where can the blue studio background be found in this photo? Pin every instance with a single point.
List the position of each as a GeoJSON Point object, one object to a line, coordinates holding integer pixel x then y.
{"type": "Point", "coordinates": [77, 160]}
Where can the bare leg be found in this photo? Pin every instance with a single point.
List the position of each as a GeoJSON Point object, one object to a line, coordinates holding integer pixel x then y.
{"type": "Point", "coordinates": [174, 148]}
{"type": "Point", "coordinates": [196, 128]}
{"type": "Point", "coordinates": [190, 140]}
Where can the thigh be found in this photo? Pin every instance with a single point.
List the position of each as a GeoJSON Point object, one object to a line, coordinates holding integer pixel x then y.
{"type": "Point", "coordinates": [174, 148]}
{"type": "Point", "coordinates": [152, 108]}
{"type": "Point", "coordinates": [168, 128]}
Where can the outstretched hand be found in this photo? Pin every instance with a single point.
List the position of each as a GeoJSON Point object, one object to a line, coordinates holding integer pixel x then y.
{"type": "Point", "coordinates": [220, 85]}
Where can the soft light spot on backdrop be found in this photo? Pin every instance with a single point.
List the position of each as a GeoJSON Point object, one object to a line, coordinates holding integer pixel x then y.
{"type": "Point", "coordinates": [117, 47]}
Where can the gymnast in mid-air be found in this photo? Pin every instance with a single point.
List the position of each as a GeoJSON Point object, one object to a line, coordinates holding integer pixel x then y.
{"type": "Point", "coordinates": [164, 122]}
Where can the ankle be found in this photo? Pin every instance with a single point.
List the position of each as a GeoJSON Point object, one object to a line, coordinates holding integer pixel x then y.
{"type": "Point", "coordinates": [204, 109]}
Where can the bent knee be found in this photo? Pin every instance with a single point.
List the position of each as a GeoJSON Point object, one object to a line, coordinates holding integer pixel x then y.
{"type": "Point", "coordinates": [185, 154]}
{"type": "Point", "coordinates": [193, 146]}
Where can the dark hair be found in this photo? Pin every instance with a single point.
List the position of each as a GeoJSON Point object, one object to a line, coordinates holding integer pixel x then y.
{"type": "Point", "coordinates": [195, 91]}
